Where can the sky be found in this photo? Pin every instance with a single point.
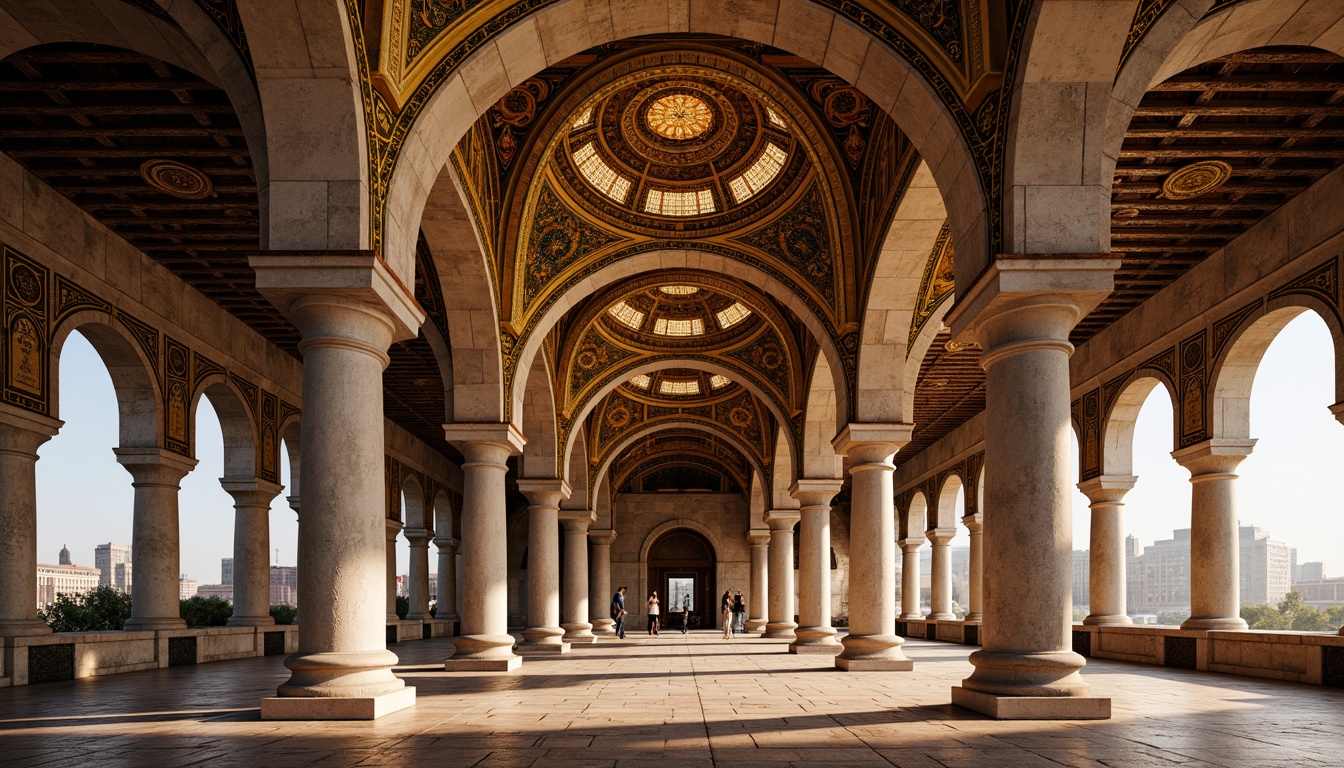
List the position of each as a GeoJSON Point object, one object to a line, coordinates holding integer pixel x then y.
{"type": "Point", "coordinates": [85, 497]}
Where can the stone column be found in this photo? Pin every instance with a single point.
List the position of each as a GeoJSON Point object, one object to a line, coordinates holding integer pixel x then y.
{"type": "Point", "coordinates": [485, 643]}
{"type": "Point", "coordinates": [599, 583]}
{"type": "Point", "coordinates": [543, 633]}
{"type": "Point", "coordinates": [574, 614]}
{"type": "Point", "coordinates": [251, 550]}
{"type": "Point", "coordinates": [446, 610]}
{"type": "Point", "coordinates": [1107, 581]}
{"type": "Point", "coordinates": [815, 633]}
{"type": "Point", "coordinates": [349, 309]}
{"type": "Point", "coordinates": [1021, 311]}
{"type": "Point", "coordinates": [976, 567]}
{"type": "Point", "coordinates": [760, 581]}
{"type": "Point", "coordinates": [1215, 544]}
{"type": "Point", "coordinates": [417, 591]}
{"type": "Point", "coordinates": [393, 527]}
{"type": "Point", "coordinates": [21, 434]}
{"type": "Point", "coordinates": [155, 544]}
{"type": "Point", "coordinates": [940, 593]}
{"type": "Point", "coordinates": [872, 643]}
{"type": "Point", "coordinates": [781, 623]}
{"type": "Point", "coordinates": [910, 581]}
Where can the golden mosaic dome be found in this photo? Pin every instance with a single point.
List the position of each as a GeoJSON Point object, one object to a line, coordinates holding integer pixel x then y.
{"type": "Point", "coordinates": [679, 117]}
{"type": "Point", "coordinates": [673, 314]}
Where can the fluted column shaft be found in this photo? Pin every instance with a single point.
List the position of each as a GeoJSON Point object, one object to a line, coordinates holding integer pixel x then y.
{"type": "Point", "coordinates": [543, 632]}
{"type": "Point", "coordinates": [446, 607]}
{"type": "Point", "coordinates": [814, 633]}
{"type": "Point", "coordinates": [251, 550]}
{"type": "Point", "coordinates": [417, 590]}
{"type": "Point", "coordinates": [940, 582]}
{"type": "Point", "coordinates": [976, 567]}
{"type": "Point", "coordinates": [781, 624]}
{"type": "Point", "coordinates": [155, 541]}
{"type": "Point", "coordinates": [872, 642]}
{"type": "Point", "coordinates": [485, 643]}
{"type": "Point", "coordinates": [21, 434]}
{"type": "Point", "coordinates": [574, 613]}
{"type": "Point", "coordinates": [759, 599]}
{"type": "Point", "coordinates": [910, 581]}
{"type": "Point", "coordinates": [599, 583]}
{"type": "Point", "coordinates": [1107, 582]}
{"type": "Point", "coordinates": [1215, 545]}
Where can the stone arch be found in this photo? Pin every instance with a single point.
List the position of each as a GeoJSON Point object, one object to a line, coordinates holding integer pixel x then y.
{"type": "Point", "coordinates": [308, 79]}
{"type": "Point", "coordinates": [818, 459]}
{"type": "Point", "coordinates": [783, 472]}
{"type": "Point", "coordinates": [885, 386]}
{"type": "Point", "coordinates": [576, 473]}
{"type": "Point", "coordinates": [1233, 370]}
{"type": "Point", "coordinates": [445, 518]}
{"type": "Point", "coordinates": [673, 525]}
{"type": "Point", "coordinates": [413, 498]}
{"type": "Point", "coordinates": [944, 512]}
{"type": "Point", "coordinates": [913, 523]}
{"type": "Point", "coordinates": [689, 259]}
{"type": "Point", "coordinates": [671, 361]}
{"type": "Point", "coordinates": [757, 503]}
{"type": "Point", "coordinates": [134, 376]}
{"type": "Point", "coordinates": [600, 478]}
{"type": "Point", "coordinates": [235, 423]}
{"type": "Point", "coordinates": [470, 303]}
{"type": "Point", "coordinates": [1057, 188]}
{"type": "Point", "coordinates": [539, 427]}
{"type": "Point", "coordinates": [291, 434]}
{"type": "Point", "coordinates": [1117, 431]}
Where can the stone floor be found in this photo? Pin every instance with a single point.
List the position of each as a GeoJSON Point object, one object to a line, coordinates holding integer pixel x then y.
{"type": "Point", "coordinates": [673, 701]}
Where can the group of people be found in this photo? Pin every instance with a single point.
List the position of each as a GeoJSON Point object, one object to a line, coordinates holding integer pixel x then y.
{"type": "Point", "coordinates": [732, 606]}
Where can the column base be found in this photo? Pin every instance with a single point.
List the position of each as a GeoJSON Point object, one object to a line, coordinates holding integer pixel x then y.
{"type": "Point", "coordinates": [941, 616]}
{"type": "Point", "coordinates": [1107, 620]}
{"type": "Point", "coordinates": [978, 617]}
{"type": "Point", "coordinates": [1033, 707]}
{"type": "Point", "coordinates": [815, 640]}
{"type": "Point", "coordinates": [604, 627]}
{"type": "Point", "coordinates": [780, 631]}
{"type": "Point", "coordinates": [1234, 624]}
{"type": "Point", "coordinates": [873, 653]}
{"type": "Point", "coordinates": [149, 625]}
{"type": "Point", "coordinates": [483, 653]}
{"type": "Point", "coordinates": [24, 628]}
{"type": "Point", "coordinates": [336, 708]}
{"type": "Point", "coordinates": [540, 649]}
{"type": "Point", "coordinates": [250, 621]}
{"type": "Point", "coordinates": [823, 648]}
{"type": "Point", "coordinates": [580, 633]}
{"type": "Point", "coordinates": [756, 625]}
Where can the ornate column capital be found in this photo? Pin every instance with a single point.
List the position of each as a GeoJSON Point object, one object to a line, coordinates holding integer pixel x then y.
{"type": "Point", "coordinates": [393, 528]}
{"type": "Point", "coordinates": [974, 523]}
{"type": "Point", "coordinates": [447, 546]}
{"type": "Point", "coordinates": [782, 519]}
{"type": "Point", "coordinates": [871, 445]}
{"type": "Point", "coordinates": [418, 537]}
{"type": "Point", "coordinates": [814, 492]}
{"type": "Point", "coordinates": [1214, 458]}
{"type": "Point", "coordinates": [154, 466]}
{"type": "Point", "coordinates": [546, 493]}
{"type": "Point", "coordinates": [758, 538]}
{"type": "Point", "coordinates": [602, 537]}
{"type": "Point", "coordinates": [911, 545]}
{"type": "Point", "coordinates": [250, 491]}
{"type": "Point", "coordinates": [940, 536]}
{"type": "Point", "coordinates": [1107, 489]}
{"type": "Point", "coordinates": [24, 432]}
{"type": "Point", "coordinates": [485, 443]}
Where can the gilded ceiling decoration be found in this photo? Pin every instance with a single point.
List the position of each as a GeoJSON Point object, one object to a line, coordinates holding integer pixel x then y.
{"type": "Point", "coordinates": [935, 287]}
{"type": "Point", "coordinates": [679, 117]}
{"type": "Point", "coordinates": [1196, 179]}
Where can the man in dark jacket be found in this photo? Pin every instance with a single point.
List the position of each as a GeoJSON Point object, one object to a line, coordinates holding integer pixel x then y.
{"type": "Point", "coordinates": [618, 612]}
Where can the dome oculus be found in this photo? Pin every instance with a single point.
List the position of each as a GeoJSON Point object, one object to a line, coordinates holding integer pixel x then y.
{"type": "Point", "coordinates": [679, 117]}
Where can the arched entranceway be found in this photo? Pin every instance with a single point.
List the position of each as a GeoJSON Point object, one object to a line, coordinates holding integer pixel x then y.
{"type": "Point", "coordinates": [681, 563]}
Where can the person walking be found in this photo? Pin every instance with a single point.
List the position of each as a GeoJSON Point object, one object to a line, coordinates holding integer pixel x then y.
{"type": "Point", "coordinates": [618, 612]}
{"type": "Point", "coordinates": [686, 614]}
{"type": "Point", "coordinates": [654, 610]}
{"type": "Point", "coordinates": [739, 613]}
{"type": "Point", "coordinates": [726, 608]}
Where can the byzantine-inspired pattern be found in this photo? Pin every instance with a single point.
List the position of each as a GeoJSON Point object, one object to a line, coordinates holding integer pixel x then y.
{"type": "Point", "coordinates": [395, 477]}
{"type": "Point", "coordinates": [801, 239]}
{"type": "Point", "coordinates": [935, 287]}
{"type": "Point", "coordinates": [37, 304]}
{"type": "Point", "coordinates": [557, 238]}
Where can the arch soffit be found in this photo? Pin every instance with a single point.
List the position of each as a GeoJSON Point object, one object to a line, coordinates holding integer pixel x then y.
{"type": "Point", "coordinates": [413, 498]}
{"type": "Point", "coordinates": [444, 517]}
{"type": "Point", "coordinates": [944, 511]}
{"type": "Point", "coordinates": [539, 427]}
{"type": "Point", "coordinates": [783, 471]}
{"type": "Point", "coordinates": [913, 522]}
{"type": "Point", "coordinates": [577, 473]}
{"type": "Point", "coordinates": [600, 477]}
{"type": "Point", "coordinates": [235, 422]}
{"type": "Point", "coordinates": [649, 365]}
{"type": "Point", "coordinates": [663, 461]}
{"type": "Point", "coordinates": [534, 41]}
{"type": "Point", "coordinates": [818, 459]}
{"type": "Point", "coordinates": [1117, 432]}
{"type": "Point", "coordinates": [134, 376]}
{"type": "Point", "coordinates": [673, 525]}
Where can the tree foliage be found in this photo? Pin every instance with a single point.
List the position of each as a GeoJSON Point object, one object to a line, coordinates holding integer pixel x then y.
{"type": "Point", "coordinates": [206, 611]}
{"type": "Point", "coordinates": [104, 608]}
{"type": "Point", "coordinates": [1292, 613]}
{"type": "Point", "coordinates": [284, 614]}
{"type": "Point", "coordinates": [403, 606]}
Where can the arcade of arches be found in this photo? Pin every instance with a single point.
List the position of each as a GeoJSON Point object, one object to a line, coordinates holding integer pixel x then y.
{"type": "Point", "coordinates": [686, 296]}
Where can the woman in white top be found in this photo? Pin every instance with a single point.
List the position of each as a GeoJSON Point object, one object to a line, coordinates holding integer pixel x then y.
{"type": "Point", "coordinates": [654, 610]}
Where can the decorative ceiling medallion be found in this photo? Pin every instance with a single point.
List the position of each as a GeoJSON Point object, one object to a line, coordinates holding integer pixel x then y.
{"type": "Point", "coordinates": [679, 117]}
{"type": "Point", "coordinates": [1196, 179]}
{"type": "Point", "coordinates": [1124, 213]}
{"type": "Point", "coordinates": [177, 179]}
{"type": "Point", "coordinates": [954, 347]}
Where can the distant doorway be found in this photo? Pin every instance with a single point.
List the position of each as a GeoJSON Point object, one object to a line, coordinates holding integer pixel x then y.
{"type": "Point", "coordinates": [681, 567]}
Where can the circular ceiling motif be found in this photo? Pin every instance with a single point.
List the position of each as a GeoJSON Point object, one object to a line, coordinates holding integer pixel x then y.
{"type": "Point", "coordinates": [679, 117]}
{"type": "Point", "coordinates": [677, 315]}
{"type": "Point", "coordinates": [177, 179]}
{"type": "Point", "coordinates": [1196, 179]}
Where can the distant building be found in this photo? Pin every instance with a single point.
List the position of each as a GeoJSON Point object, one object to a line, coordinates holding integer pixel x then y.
{"type": "Point", "coordinates": [1082, 564]}
{"type": "Point", "coordinates": [1321, 593]}
{"type": "Point", "coordinates": [187, 587]}
{"type": "Point", "coordinates": [223, 591]}
{"type": "Point", "coordinates": [284, 585]}
{"type": "Point", "coordinates": [64, 578]}
{"type": "Point", "coordinates": [113, 562]}
{"type": "Point", "coordinates": [1266, 567]}
{"type": "Point", "coordinates": [226, 570]}
{"type": "Point", "coordinates": [1314, 571]}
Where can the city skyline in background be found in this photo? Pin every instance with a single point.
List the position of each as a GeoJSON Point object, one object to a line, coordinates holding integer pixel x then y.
{"type": "Point", "coordinates": [1300, 444]}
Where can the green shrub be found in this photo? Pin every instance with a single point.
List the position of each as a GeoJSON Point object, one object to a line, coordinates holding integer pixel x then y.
{"type": "Point", "coordinates": [206, 611]}
{"type": "Point", "coordinates": [105, 608]}
{"type": "Point", "coordinates": [284, 614]}
{"type": "Point", "coordinates": [403, 606]}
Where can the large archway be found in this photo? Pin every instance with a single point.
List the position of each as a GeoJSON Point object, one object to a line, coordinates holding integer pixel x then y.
{"type": "Point", "coordinates": [680, 566]}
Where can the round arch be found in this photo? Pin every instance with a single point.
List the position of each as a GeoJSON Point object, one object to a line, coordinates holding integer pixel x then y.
{"type": "Point", "coordinates": [413, 498]}
{"type": "Point", "coordinates": [1117, 431]}
{"type": "Point", "coordinates": [944, 512]}
{"type": "Point", "coordinates": [818, 459]}
{"type": "Point", "coordinates": [235, 422]}
{"type": "Point", "coordinates": [539, 427]}
{"type": "Point", "coordinates": [139, 398]}
{"type": "Point", "coordinates": [912, 523]}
